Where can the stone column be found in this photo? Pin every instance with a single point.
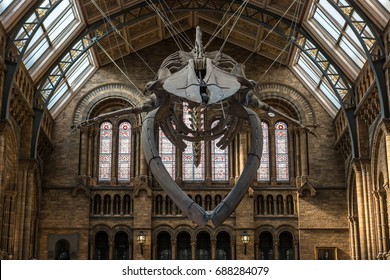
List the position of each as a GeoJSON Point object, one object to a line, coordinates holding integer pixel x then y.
{"type": "Point", "coordinates": [213, 249]}
{"type": "Point", "coordinates": [95, 155]}
{"type": "Point", "coordinates": [354, 238]}
{"type": "Point", "coordinates": [296, 249]}
{"type": "Point", "coordinates": [298, 160]}
{"type": "Point", "coordinates": [84, 151]}
{"type": "Point", "coordinates": [193, 249]}
{"type": "Point", "coordinates": [304, 153]}
{"type": "Point", "coordinates": [366, 209]}
{"type": "Point", "coordinates": [91, 248]}
{"type": "Point", "coordinates": [110, 249]}
{"type": "Point", "coordinates": [173, 245]}
{"type": "Point", "coordinates": [361, 216]}
{"type": "Point", "coordinates": [378, 223]}
{"type": "Point", "coordinates": [276, 249]}
{"type": "Point", "coordinates": [382, 209]}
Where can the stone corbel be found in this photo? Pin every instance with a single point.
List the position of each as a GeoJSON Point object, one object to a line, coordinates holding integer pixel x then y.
{"type": "Point", "coordinates": [83, 186]}
{"type": "Point", "coordinates": [308, 187]}
{"type": "Point", "coordinates": [141, 183]}
{"type": "Point", "coordinates": [386, 187]}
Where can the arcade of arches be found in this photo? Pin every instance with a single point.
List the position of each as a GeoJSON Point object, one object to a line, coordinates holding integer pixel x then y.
{"type": "Point", "coordinates": [88, 194]}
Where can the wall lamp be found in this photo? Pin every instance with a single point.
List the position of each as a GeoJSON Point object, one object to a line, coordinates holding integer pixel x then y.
{"type": "Point", "coordinates": [245, 239]}
{"type": "Point", "coordinates": [141, 238]}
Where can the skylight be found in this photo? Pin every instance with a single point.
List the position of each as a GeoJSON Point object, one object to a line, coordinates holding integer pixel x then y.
{"type": "Point", "coordinates": [385, 4]}
{"type": "Point", "coordinates": [62, 20]}
{"type": "Point", "coordinates": [4, 4]}
{"type": "Point", "coordinates": [336, 30]}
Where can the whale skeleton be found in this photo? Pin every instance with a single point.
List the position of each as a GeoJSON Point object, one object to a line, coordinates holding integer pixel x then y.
{"type": "Point", "coordinates": [202, 80]}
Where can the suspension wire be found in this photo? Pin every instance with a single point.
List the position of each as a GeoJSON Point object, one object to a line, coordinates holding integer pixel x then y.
{"type": "Point", "coordinates": [118, 32]}
{"type": "Point", "coordinates": [117, 42]}
{"type": "Point", "coordinates": [182, 31]}
{"type": "Point", "coordinates": [273, 62]}
{"type": "Point", "coordinates": [169, 25]}
{"type": "Point", "coordinates": [113, 61]}
{"type": "Point", "coordinates": [156, 10]}
{"type": "Point", "coordinates": [293, 25]}
{"type": "Point", "coordinates": [215, 33]}
{"type": "Point", "coordinates": [241, 8]}
{"type": "Point", "coordinates": [273, 28]}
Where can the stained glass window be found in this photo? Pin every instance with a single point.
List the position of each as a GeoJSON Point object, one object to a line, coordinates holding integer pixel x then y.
{"type": "Point", "coordinates": [219, 160]}
{"type": "Point", "coordinates": [105, 154]}
{"type": "Point", "coordinates": [191, 172]}
{"type": "Point", "coordinates": [124, 151]}
{"type": "Point", "coordinates": [281, 146]}
{"type": "Point", "coordinates": [263, 171]}
{"type": "Point", "coordinates": [167, 153]}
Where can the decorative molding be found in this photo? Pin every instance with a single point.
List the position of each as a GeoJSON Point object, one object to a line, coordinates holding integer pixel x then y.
{"type": "Point", "coordinates": [93, 97]}
{"type": "Point", "coordinates": [294, 99]}
{"type": "Point", "coordinates": [307, 186]}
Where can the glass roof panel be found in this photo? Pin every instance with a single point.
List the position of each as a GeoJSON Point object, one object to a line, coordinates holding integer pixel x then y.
{"type": "Point", "coordinates": [385, 4]}
{"type": "Point", "coordinates": [59, 22]}
{"type": "Point", "coordinates": [4, 4]}
{"type": "Point", "coordinates": [345, 41]}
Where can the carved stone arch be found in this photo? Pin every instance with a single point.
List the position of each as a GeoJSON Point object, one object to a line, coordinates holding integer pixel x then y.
{"type": "Point", "coordinates": [378, 162]}
{"type": "Point", "coordinates": [351, 185]}
{"type": "Point", "coordinates": [227, 229]}
{"type": "Point", "coordinates": [101, 227]}
{"type": "Point", "coordinates": [163, 228]}
{"type": "Point", "coordinates": [264, 228]}
{"type": "Point", "coordinates": [288, 228]}
{"type": "Point", "coordinates": [96, 97]}
{"type": "Point", "coordinates": [207, 229]}
{"type": "Point", "coordinates": [142, 187]}
{"type": "Point", "coordinates": [124, 228]}
{"type": "Point", "coordinates": [185, 228]}
{"type": "Point", "coordinates": [290, 99]}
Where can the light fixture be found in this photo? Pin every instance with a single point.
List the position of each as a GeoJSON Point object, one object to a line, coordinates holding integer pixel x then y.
{"type": "Point", "coordinates": [141, 238]}
{"type": "Point", "coordinates": [271, 114]}
{"type": "Point", "coordinates": [245, 239]}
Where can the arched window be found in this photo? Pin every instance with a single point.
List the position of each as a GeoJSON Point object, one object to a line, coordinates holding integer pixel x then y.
{"type": "Point", "coordinates": [266, 246]}
{"type": "Point", "coordinates": [281, 147]}
{"type": "Point", "coordinates": [279, 205]}
{"type": "Point", "coordinates": [270, 205]}
{"type": "Point", "coordinates": [107, 205]}
{"type": "Point", "coordinates": [183, 246]}
{"type": "Point", "coordinates": [121, 251]}
{"type": "Point", "coordinates": [219, 160]}
{"type": "Point", "coordinates": [223, 246]}
{"type": "Point", "coordinates": [124, 151]}
{"type": "Point", "coordinates": [290, 205]}
{"type": "Point", "coordinates": [164, 249]}
{"type": "Point", "coordinates": [167, 153]}
{"type": "Point", "coordinates": [101, 246]}
{"type": "Point", "coordinates": [203, 246]}
{"type": "Point", "coordinates": [127, 205]}
{"type": "Point", "coordinates": [62, 250]}
{"type": "Point", "coordinates": [117, 204]}
{"type": "Point", "coordinates": [105, 155]}
{"type": "Point", "coordinates": [263, 173]}
{"type": "Point", "coordinates": [193, 156]}
{"type": "Point", "coordinates": [260, 205]}
{"type": "Point", "coordinates": [286, 246]}
{"type": "Point", "coordinates": [97, 207]}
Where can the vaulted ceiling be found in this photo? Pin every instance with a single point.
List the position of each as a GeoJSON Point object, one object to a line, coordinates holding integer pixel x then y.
{"type": "Point", "coordinates": [325, 43]}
